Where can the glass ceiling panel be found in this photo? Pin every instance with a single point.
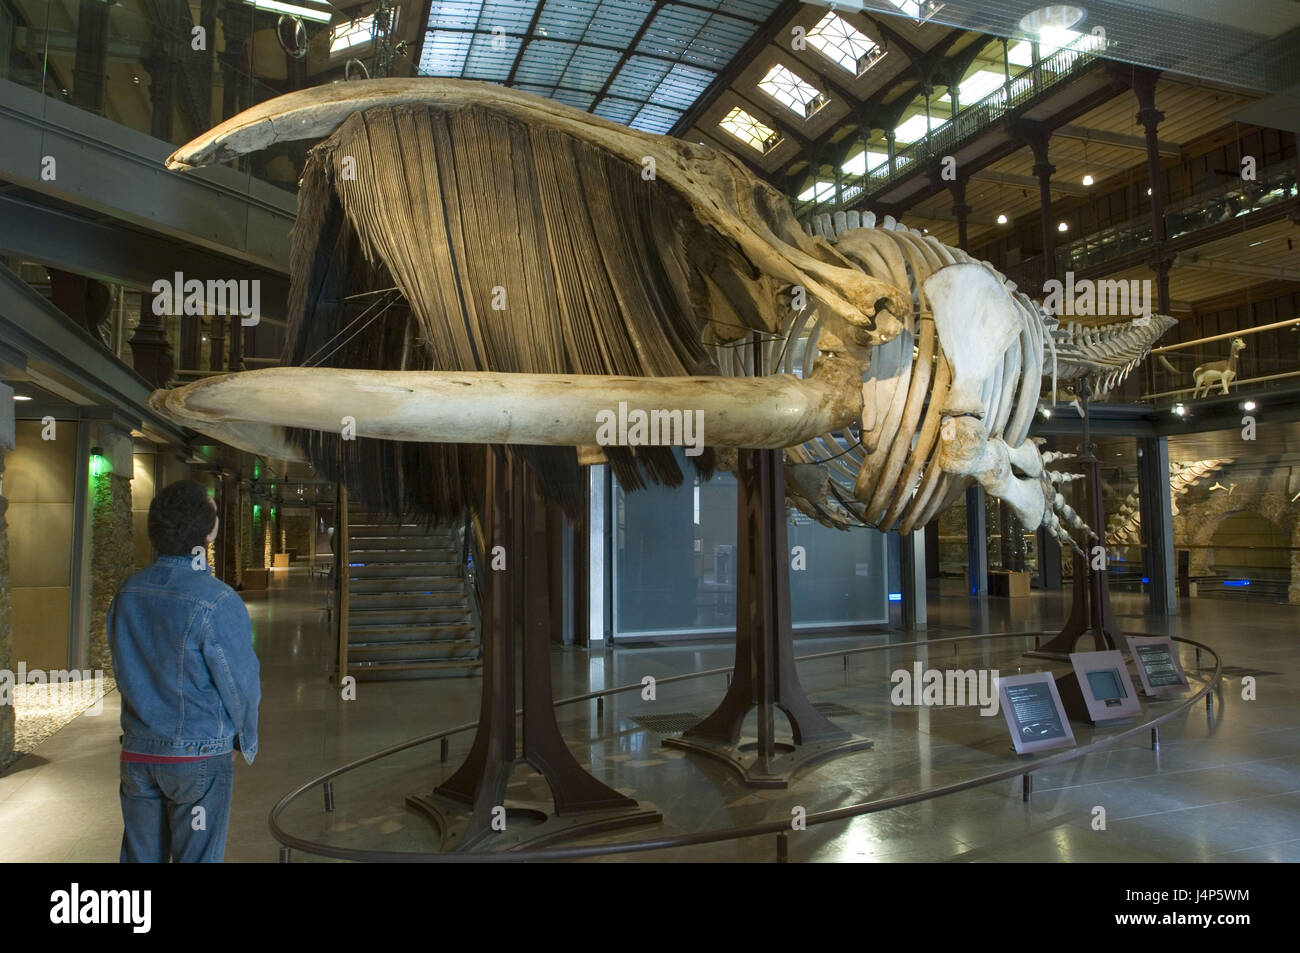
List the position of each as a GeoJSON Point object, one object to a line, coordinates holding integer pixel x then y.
{"type": "Point", "coordinates": [632, 61]}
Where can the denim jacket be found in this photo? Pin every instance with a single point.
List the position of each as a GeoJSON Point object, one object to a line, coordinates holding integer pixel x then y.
{"type": "Point", "coordinates": [183, 657]}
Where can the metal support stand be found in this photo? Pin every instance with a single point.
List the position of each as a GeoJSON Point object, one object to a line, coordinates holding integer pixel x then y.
{"type": "Point", "coordinates": [517, 607]}
{"type": "Point", "coordinates": [765, 675]}
{"type": "Point", "coordinates": [328, 789]}
{"type": "Point", "coordinates": [285, 855]}
{"type": "Point", "coordinates": [1155, 739]}
{"type": "Point", "coordinates": [1026, 787]}
{"type": "Point", "coordinates": [1090, 613]}
{"type": "Point", "coordinates": [782, 847]}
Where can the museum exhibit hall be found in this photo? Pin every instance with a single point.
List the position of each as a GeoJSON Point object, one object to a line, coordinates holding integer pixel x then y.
{"type": "Point", "coordinates": [650, 431]}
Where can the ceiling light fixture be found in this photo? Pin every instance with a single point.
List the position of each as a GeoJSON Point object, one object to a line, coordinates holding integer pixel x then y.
{"type": "Point", "coordinates": [1180, 410]}
{"type": "Point", "coordinates": [1002, 219]}
{"type": "Point", "coordinates": [21, 397]}
{"type": "Point", "coordinates": [1063, 226]}
{"type": "Point", "coordinates": [1087, 180]}
{"type": "Point", "coordinates": [1248, 405]}
{"type": "Point", "coordinates": [293, 10]}
{"type": "Point", "coordinates": [1057, 16]}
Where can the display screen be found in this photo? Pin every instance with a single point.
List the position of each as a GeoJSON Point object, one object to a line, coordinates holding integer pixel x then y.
{"type": "Point", "coordinates": [1158, 664]}
{"type": "Point", "coordinates": [1035, 712]}
{"type": "Point", "coordinates": [1106, 686]}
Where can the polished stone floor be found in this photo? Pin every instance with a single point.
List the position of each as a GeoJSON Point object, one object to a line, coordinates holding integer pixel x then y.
{"type": "Point", "coordinates": [1224, 786]}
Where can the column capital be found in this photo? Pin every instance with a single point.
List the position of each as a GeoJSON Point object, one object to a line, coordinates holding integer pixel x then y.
{"type": "Point", "coordinates": [1044, 170]}
{"type": "Point", "coordinates": [1149, 118]}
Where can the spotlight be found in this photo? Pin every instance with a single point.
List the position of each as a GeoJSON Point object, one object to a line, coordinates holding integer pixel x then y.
{"type": "Point", "coordinates": [1087, 180]}
{"type": "Point", "coordinates": [1002, 219]}
{"type": "Point", "coordinates": [1063, 227]}
{"type": "Point", "coordinates": [1248, 405]}
{"type": "Point", "coordinates": [21, 397]}
{"type": "Point", "coordinates": [1148, 191]}
{"type": "Point", "coordinates": [1057, 16]}
{"type": "Point", "coordinates": [1180, 410]}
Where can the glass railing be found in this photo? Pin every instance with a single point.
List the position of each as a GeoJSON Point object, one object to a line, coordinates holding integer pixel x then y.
{"type": "Point", "coordinates": [1107, 244]}
{"type": "Point", "coordinates": [966, 123]}
{"type": "Point", "coordinates": [1230, 202]}
{"type": "Point", "coordinates": [151, 66]}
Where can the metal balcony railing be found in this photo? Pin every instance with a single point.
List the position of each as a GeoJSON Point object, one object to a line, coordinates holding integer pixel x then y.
{"type": "Point", "coordinates": [1021, 90]}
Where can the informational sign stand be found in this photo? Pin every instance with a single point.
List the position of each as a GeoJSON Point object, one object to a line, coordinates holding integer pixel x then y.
{"type": "Point", "coordinates": [1099, 690]}
{"type": "Point", "coordinates": [1034, 713]}
{"type": "Point", "coordinates": [1158, 666]}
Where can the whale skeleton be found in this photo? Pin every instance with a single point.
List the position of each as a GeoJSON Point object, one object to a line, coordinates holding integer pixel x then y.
{"type": "Point", "coordinates": [895, 371]}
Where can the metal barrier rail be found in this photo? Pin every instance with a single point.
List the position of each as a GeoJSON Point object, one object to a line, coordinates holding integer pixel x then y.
{"type": "Point", "coordinates": [780, 827]}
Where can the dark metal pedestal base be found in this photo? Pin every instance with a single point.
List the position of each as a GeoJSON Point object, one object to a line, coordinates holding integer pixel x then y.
{"type": "Point", "coordinates": [528, 823]}
{"type": "Point", "coordinates": [787, 763]}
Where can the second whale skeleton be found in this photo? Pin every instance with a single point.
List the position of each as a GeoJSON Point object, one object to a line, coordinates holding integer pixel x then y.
{"type": "Point", "coordinates": [894, 370]}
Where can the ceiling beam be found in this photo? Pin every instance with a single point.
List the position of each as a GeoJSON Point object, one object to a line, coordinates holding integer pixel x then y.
{"type": "Point", "coordinates": [1027, 182]}
{"type": "Point", "coordinates": [528, 36]}
{"type": "Point", "coordinates": [778, 22]}
{"type": "Point", "coordinates": [1194, 261]}
{"type": "Point", "coordinates": [973, 218]}
{"type": "Point", "coordinates": [1118, 139]}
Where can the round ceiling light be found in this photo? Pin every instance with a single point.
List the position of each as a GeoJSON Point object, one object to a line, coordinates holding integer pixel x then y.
{"type": "Point", "coordinates": [1002, 219]}
{"type": "Point", "coordinates": [1087, 180]}
{"type": "Point", "coordinates": [1057, 16]}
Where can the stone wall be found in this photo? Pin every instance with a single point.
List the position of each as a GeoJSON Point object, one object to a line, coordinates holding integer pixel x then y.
{"type": "Point", "coordinates": [6, 629]}
{"type": "Point", "coordinates": [112, 557]}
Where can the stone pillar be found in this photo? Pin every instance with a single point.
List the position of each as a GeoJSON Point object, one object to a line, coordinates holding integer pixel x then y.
{"type": "Point", "coordinates": [245, 530]}
{"type": "Point", "coordinates": [7, 434]}
{"type": "Point", "coordinates": [112, 553]}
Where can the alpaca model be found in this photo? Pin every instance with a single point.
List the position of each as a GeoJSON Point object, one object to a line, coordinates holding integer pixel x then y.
{"type": "Point", "coordinates": [1221, 372]}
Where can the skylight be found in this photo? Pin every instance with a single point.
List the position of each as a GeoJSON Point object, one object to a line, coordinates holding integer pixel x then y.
{"type": "Point", "coordinates": [1049, 41]}
{"type": "Point", "coordinates": [863, 161]}
{"type": "Point", "coordinates": [352, 33]}
{"type": "Point", "coordinates": [749, 130]}
{"type": "Point", "coordinates": [913, 129]}
{"type": "Point", "coordinates": [918, 10]}
{"type": "Point", "coordinates": [977, 85]}
{"type": "Point", "coordinates": [840, 42]}
{"type": "Point", "coordinates": [791, 91]}
{"type": "Point", "coordinates": [818, 192]}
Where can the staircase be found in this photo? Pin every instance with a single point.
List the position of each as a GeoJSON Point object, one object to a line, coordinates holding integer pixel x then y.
{"type": "Point", "coordinates": [408, 606]}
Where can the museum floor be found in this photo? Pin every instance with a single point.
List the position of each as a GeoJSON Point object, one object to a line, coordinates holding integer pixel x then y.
{"type": "Point", "coordinates": [1221, 788]}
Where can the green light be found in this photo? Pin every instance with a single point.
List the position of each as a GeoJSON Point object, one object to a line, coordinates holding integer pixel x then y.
{"type": "Point", "coordinates": [257, 511]}
{"type": "Point", "coordinates": [99, 464]}
{"type": "Point", "coordinates": [273, 512]}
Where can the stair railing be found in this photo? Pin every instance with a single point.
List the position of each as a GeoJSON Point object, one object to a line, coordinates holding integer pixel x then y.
{"type": "Point", "coordinates": [343, 559]}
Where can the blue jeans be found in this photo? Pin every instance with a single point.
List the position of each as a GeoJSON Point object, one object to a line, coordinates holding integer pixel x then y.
{"type": "Point", "coordinates": [176, 811]}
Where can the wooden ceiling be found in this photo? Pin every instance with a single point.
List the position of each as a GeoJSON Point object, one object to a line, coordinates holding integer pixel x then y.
{"type": "Point", "coordinates": [1106, 143]}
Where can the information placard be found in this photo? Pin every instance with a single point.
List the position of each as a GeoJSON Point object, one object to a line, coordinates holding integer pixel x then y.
{"type": "Point", "coordinates": [1035, 717]}
{"type": "Point", "coordinates": [1104, 682]}
{"type": "Point", "coordinates": [1158, 666]}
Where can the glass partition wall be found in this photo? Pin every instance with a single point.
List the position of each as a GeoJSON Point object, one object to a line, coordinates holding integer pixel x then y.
{"type": "Point", "coordinates": [674, 565]}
